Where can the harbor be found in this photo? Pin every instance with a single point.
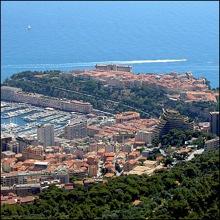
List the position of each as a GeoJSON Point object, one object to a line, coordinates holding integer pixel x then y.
{"type": "Point", "coordinates": [21, 119]}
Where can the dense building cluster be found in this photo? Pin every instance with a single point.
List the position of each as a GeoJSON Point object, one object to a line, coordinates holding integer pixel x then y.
{"type": "Point", "coordinates": [183, 86]}
{"type": "Point", "coordinates": [90, 149]}
{"type": "Point", "coordinates": [88, 145]}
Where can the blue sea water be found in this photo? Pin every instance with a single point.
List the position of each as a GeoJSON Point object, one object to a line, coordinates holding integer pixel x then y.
{"type": "Point", "coordinates": [73, 35]}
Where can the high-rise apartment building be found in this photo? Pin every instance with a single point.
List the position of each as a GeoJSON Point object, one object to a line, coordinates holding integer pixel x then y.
{"type": "Point", "coordinates": [171, 119]}
{"type": "Point", "coordinates": [75, 130]}
{"type": "Point", "coordinates": [45, 135]}
{"type": "Point", "coordinates": [214, 122]}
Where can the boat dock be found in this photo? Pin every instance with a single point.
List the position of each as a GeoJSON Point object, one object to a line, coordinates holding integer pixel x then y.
{"type": "Point", "coordinates": [32, 117]}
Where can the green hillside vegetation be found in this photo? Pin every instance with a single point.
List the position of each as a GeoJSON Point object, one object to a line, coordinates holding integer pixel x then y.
{"type": "Point", "coordinates": [177, 138]}
{"type": "Point", "coordinates": [148, 100]}
{"type": "Point", "coordinates": [190, 190]}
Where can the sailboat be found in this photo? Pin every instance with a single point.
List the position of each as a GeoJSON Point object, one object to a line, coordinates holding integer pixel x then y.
{"type": "Point", "coordinates": [29, 27]}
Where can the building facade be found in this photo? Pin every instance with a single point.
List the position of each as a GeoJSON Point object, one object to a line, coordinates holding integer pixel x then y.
{"type": "Point", "coordinates": [75, 130]}
{"type": "Point", "coordinates": [144, 136]}
{"type": "Point", "coordinates": [45, 135]}
{"type": "Point", "coordinates": [92, 170]}
{"type": "Point", "coordinates": [31, 152]}
{"type": "Point", "coordinates": [214, 123]}
{"type": "Point", "coordinates": [17, 95]}
{"type": "Point", "coordinates": [15, 178]}
{"type": "Point", "coordinates": [5, 140]}
{"type": "Point", "coordinates": [127, 116]}
{"type": "Point", "coordinates": [172, 119]}
{"type": "Point", "coordinates": [26, 141]}
{"type": "Point", "coordinates": [113, 67]}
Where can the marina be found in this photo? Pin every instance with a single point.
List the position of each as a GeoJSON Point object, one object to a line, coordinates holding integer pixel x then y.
{"type": "Point", "coordinates": [20, 119]}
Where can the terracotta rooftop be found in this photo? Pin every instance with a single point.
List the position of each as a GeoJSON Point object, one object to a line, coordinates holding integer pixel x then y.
{"type": "Point", "coordinates": [172, 81]}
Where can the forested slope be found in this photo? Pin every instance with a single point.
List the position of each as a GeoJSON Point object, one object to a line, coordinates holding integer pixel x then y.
{"type": "Point", "coordinates": [190, 190]}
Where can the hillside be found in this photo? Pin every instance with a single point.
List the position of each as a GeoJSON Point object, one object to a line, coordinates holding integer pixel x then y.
{"type": "Point", "coordinates": [148, 100]}
{"type": "Point", "coordinates": [190, 190]}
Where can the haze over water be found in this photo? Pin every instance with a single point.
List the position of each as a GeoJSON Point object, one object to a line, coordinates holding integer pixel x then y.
{"type": "Point", "coordinates": [150, 36]}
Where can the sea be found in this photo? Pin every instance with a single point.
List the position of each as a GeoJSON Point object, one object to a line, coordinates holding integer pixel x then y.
{"type": "Point", "coordinates": [150, 36]}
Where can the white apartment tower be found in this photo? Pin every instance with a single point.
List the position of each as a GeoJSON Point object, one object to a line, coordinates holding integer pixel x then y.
{"type": "Point", "coordinates": [45, 135]}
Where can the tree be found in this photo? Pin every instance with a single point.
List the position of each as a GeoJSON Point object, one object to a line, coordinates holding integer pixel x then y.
{"type": "Point", "coordinates": [168, 161]}
{"type": "Point", "coordinates": [155, 142]}
{"type": "Point", "coordinates": [200, 142]}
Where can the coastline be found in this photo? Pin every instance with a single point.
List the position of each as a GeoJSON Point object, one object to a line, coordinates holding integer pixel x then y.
{"type": "Point", "coordinates": [214, 83]}
{"type": "Point", "coordinates": [181, 91]}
